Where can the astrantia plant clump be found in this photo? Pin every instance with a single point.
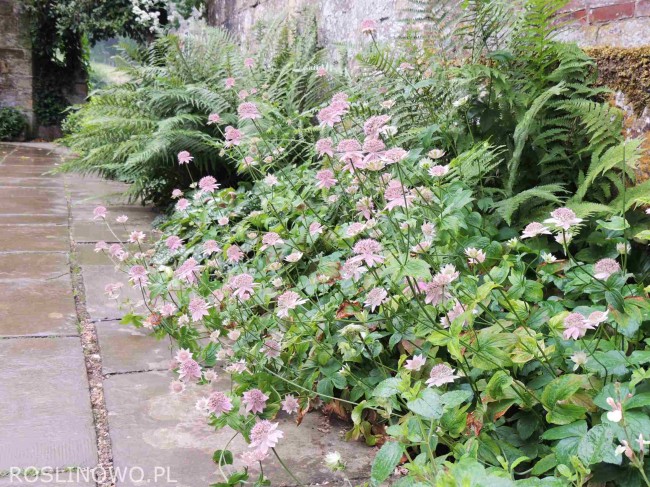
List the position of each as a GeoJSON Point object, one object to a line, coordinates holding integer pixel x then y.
{"type": "Point", "coordinates": [368, 278]}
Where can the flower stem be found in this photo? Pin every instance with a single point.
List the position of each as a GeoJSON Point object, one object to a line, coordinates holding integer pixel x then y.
{"type": "Point", "coordinates": [285, 467]}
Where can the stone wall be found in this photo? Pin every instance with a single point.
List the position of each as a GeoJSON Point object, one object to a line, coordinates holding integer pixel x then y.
{"type": "Point", "coordinates": [15, 59]}
{"type": "Point", "coordinates": [619, 23]}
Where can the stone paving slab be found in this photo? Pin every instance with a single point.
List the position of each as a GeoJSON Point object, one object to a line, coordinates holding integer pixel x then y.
{"type": "Point", "coordinates": [151, 427]}
{"type": "Point", "coordinates": [46, 418]}
{"type": "Point", "coordinates": [98, 305]}
{"type": "Point", "coordinates": [127, 349]}
{"type": "Point", "coordinates": [14, 238]}
{"type": "Point", "coordinates": [45, 161]}
{"type": "Point", "coordinates": [37, 307]}
{"type": "Point", "coordinates": [69, 479]}
{"type": "Point", "coordinates": [28, 204]}
{"type": "Point", "coordinates": [33, 219]}
{"type": "Point", "coordinates": [33, 265]}
{"type": "Point", "coordinates": [33, 182]}
{"type": "Point", "coordinates": [11, 171]}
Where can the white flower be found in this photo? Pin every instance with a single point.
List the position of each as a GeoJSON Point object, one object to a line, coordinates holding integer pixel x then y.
{"type": "Point", "coordinates": [579, 358]}
{"type": "Point", "coordinates": [616, 414]}
{"type": "Point", "coordinates": [563, 218]}
{"type": "Point", "coordinates": [293, 257]}
{"type": "Point", "coordinates": [333, 461]}
{"type": "Point", "coordinates": [548, 258]}
{"type": "Point", "coordinates": [623, 248]}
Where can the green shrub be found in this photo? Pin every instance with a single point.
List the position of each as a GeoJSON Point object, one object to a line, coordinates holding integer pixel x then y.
{"type": "Point", "coordinates": [12, 123]}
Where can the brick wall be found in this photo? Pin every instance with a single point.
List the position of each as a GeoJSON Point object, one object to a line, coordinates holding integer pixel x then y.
{"type": "Point", "coordinates": [15, 58]}
{"type": "Point", "coordinates": [619, 23]}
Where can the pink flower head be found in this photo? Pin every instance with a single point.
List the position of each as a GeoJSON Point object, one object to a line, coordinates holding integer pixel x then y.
{"type": "Point", "coordinates": [234, 253]}
{"type": "Point", "coordinates": [182, 204]}
{"type": "Point", "coordinates": [374, 124]}
{"type": "Point", "coordinates": [575, 326]}
{"type": "Point", "coordinates": [328, 116]}
{"type": "Point", "coordinates": [352, 269]}
{"type": "Point", "coordinates": [441, 374]}
{"type": "Point", "coordinates": [252, 458]}
{"type": "Point", "coordinates": [177, 193]}
{"type": "Point", "coordinates": [375, 298]}
{"type": "Point", "coordinates": [271, 239]}
{"type": "Point", "coordinates": [563, 218]}
{"type": "Point", "coordinates": [248, 111]}
{"type": "Point", "coordinates": [453, 313]}
{"type": "Point", "coordinates": [213, 118]}
{"type": "Point", "coordinates": [287, 301]}
{"type": "Point", "coordinates": [188, 269]}
{"type": "Point", "coordinates": [474, 256]}
{"type": "Point", "coordinates": [533, 230]}
{"type": "Point", "coordinates": [113, 290]}
{"type": "Point", "coordinates": [324, 147]}
{"type": "Point", "coordinates": [397, 195]}
{"type": "Point", "coordinates": [416, 363]}
{"type": "Point", "coordinates": [232, 136]}
{"type": "Point", "coordinates": [368, 27]}
{"type": "Point", "coordinates": [122, 219]}
{"type": "Point", "coordinates": [101, 246]}
{"type": "Point", "coordinates": [321, 72]}
{"type": "Point", "coordinates": [368, 251]}
{"type": "Point", "coordinates": [249, 62]}
{"type": "Point", "coordinates": [189, 371]}
{"type": "Point", "coordinates": [224, 220]}
{"type": "Point", "coordinates": [176, 387]}
{"type": "Point", "coordinates": [173, 242]}
{"type": "Point", "coordinates": [182, 355]}
{"type": "Point", "coordinates": [351, 153]}
{"type": "Point", "coordinates": [198, 308]}
{"type": "Point", "coordinates": [374, 149]}
{"type": "Point", "coordinates": [184, 157]}
{"type": "Point", "coordinates": [325, 179]}
{"type": "Point", "coordinates": [137, 236]}
{"type": "Point", "coordinates": [138, 275]}
{"type": "Point", "coordinates": [438, 171]}
{"type": "Point", "coordinates": [315, 228]}
{"type": "Point", "coordinates": [208, 184]}
{"type": "Point", "coordinates": [265, 435]}
{"type": "Point", "coordinates": [210, 247]}
{"type": "Point", "coordinates": [290, 404]}
{"type": "Point", "coordinates": [167, 310]}
{"type": "Point", "coordinates": [219, 403]}
{"type": "Point", "coordinates": [229, 82]}
{"type": "Point", "coordinates": [242, 286]}
{"type": "Point", "coordinates": [100, 213]}
{"type": "Point", "coordinates": [254, 401]}
{"type": "Point", "coordinates": [597, 317]}
{"type": "Point", "coordinates": [271, 348]}
{"type": "Point", "coordinates": [605, 268]}
{"type": "Point", "coordinates": [396, 154]}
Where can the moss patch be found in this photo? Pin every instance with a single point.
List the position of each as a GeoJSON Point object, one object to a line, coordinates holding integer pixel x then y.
{"type": "Point", "coordinates": [626, 70]}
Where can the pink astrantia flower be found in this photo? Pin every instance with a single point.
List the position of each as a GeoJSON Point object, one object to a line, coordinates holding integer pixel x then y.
{"type": "Point", "coordinates": [315, 228]}
{"type": "Point", "coordinates": [290, 404]}
{"type": "Point", "coordinates": [325, 179]}
{"type": "Point", "coordinates": [182, 355]}
{"type": "Point", "coordinates": [252, 458]}
{"type": "Point", "coordinates": [232, 136]}
{"type": "Point", "coordinates": [113, 290]}
{"type": "Point", "coordinates": [271, 239]}
{"type": "Point", "coordinates": [329, 116]}
{"type": "Point", "coordinates": [265, 435]}
{"type": "Point", "coordinates": [605, 268]}
{"type": "Point", "coordinates": [351, 154]}
{"type": "Point", "coordinates": [352, 269]}
{"type": "Point", "coordinates": [254, 401]}
{"type": "Point", "coordinates": [198, 308]}
{"type": "Point", "coordinates": [365, 207]}
{"type": "Point", "coordinates": [441, 374]}
{"type": "Point", "coordinates": [374, 149]}
{"type": "Point", "coordinates": [375, 298]}
{"type": "Point", "coordinates": [395, 154]}
{"type": "Point", "coordinates": [355, 229]}
{"type": "Point", "coordinates": [325, 147]}
{"type": "Point", "coordinates": [415, 364]}
{"type": "Point", "coordinates": [368, 251]}
{"type": "Point", "coordinates": [321, 72]}
{"type": "Point", "coordinates": [189, 371]}
{"type": "Point", "coordinates": [271, 348]}
{"type": "Point", "coordinates": [287, 301]}
{"type": "Point", "coordinates": [101, 246]}
{"type": "Point", "coordinates": [293, 257]}
{"type": "Point", "coordinates": [534, 229]}
{"type": "Point", "coordinates": [234, 253]}
{"type": "Point", "coordinates": [137, 236]}
{"type": "Point", "coordinates": [374, 124]}
{"type": "Point", "coordinates": [242, 286]}
{"type": "Point", "coordinates": [563, 218]}
{"type": "Point", "coordinates": [208, 184]}
{"type": "Point", "coordinates": [213, 118]}
{"type": "Point", "coordinates": [188, 269]}
{"type": "Point", "coordinates": [368, 27]}
{"type": "Point", "coordinates": [397, 195]}
{"type": "Point", "coordinates": [176, 387]}
{"type": "Point", "coordinates": [138, 276]}
{"type": "Point", "coordinates": [249, 62]}
{"type": "Point", "coordinates": [122, 219]}
{"type": "Point", "coordinates": [229, 82]}
{"type": "Point", "coordinates": [474, 256]}
{"type": "Point", "coordinates": [173, 242]}
{"type": "Point", "coordinates": [575, 326]}
{"type": "Point", "coordinates": [224, 220]}
{"type": "Point", "coordinates": [248, 111]}
{"type": "Point", "coordinates": [177, 193]}
{"type": "Point", "coordinates": [597, 317]}
{"type": "Point", "coordinates": [167, 310]}
{"type": "Point", "coordinates": [184, 157]}
{"type": "Point", "coordinates": [182, 204]}
{"type": "Point", "coordinates": [438, 171]}
{"type": "Point", "coordinates": [210, 247]}
{"type": "Point", "coordinates": [219, 403]}
{"type": "Point", "coordinates": [100, 213]}
{"type": "Point", "coordinates": [271, 180]}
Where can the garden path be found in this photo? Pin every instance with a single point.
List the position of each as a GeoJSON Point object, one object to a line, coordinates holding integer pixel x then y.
{"type": "Point", "coordinates": [77, 389]}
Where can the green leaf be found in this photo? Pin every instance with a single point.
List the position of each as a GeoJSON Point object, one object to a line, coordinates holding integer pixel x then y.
{"type": "Point", "coordinates": [386, 388]}
{"type": "Point", "coordinates": [597, 446]}
{"type": "Point", "coordinates": [556, 396]}
{"type": "Point", "coordinates": [638, 401]}
{"type": "Point", "coordinates": [428, 405]}
{"type": "Point", "coordinates": [453, 399]}
{"type": "Point", "coordinates": [545, 464]}
{"type": "Point", "coordinates": [497, 385]}
{"type": "Point", "coordinates": [222, 457]}
{"type": "Point", "coordinates": [385, 461]}
{"type": "Point", "coordinates": [578, 429]}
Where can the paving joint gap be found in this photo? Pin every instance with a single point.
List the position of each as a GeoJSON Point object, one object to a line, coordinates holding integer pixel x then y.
{"type": "Point", "coordinates": [92, 357]}
{"type": "Point", "coordinates": [29, 337]}
{"type": "Point", "coordinates": [127, 372]}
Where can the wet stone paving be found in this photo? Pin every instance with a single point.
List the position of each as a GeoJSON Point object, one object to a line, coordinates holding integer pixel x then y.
{"type": "Point", "coordinates": [82, 395]}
